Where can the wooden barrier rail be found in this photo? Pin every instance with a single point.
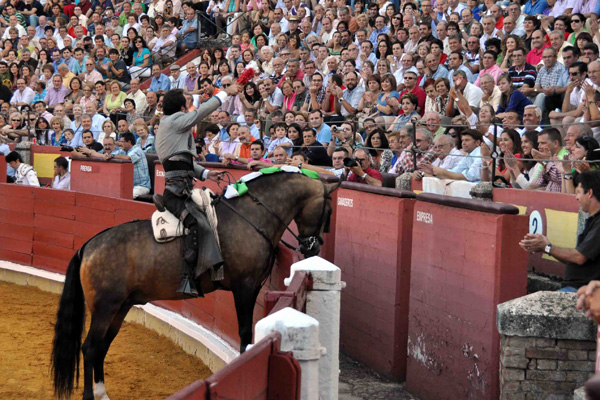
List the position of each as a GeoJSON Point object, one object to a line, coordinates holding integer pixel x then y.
{"type": "Point", "coordinates": [465, 261]}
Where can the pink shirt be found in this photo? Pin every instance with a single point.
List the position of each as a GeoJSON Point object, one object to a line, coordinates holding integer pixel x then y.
{"type": "Point", "coordinates": [494, 71]}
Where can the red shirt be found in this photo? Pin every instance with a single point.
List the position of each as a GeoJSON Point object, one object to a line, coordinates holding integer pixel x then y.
{"type": "Point", "coordinates": [373, 173]}
{"type": "Point", "coordinates": [500, 23]}
{"type": "Point", "coordinates": [422, 97]}
{"type": "Point", "coordinates": [534, 57]}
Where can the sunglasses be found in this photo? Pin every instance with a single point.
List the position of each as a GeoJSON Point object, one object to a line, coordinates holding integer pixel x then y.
{"type": "Point", "coordinates": [226, 85]}
{"type": "Point", "coordinates": [360, 159]}
{"type": "Point", "coordinates": [575, 20]}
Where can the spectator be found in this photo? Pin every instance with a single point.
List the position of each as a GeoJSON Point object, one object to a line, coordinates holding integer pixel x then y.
{"type": "Point", "coordinates": [361, 171]}
{"type": "Point", "coordinates": [56, 92]}
{"type": "Point", "coordinates": [550, 146]}
{"type": "Point", "coordinates": [114, 100]}
{"type": "Point", "coordinates": [160, 83]}
{"type": "Point", "coordinates": [24, 173]}
{"type": "Point", "coordinates": [532, 118]}
{"type": "Point", "coordinates": [582, 261]}
{"type": "Point", "coordinates": [89, 145]}
{"type": "Point", "coordinates": [424, 150]}
{"type": "Point", "coordinates": [116, 68]}
{"type": "Point", "coordinates": [145, 141]}
{"type": "Point", "coordinates": [62, 176]}
{"type": "Point", "coordinates": [23, 95]}
{"type": "Point", "coordinates": [551, 82]}
{"type": "Point", "coordinates": [585, 155]}
{"type": "Point", "coordinates": [409, 103]}
{"type": "Point", "coordinates": [469, 168]}
{"type": "Point", "coordinates": [314, 151]}
{"type": "Point", "coordinates": [489, 66]}
{"type": "Point", "coordinates": [257, 151]}
{"type": "Point", "coordinates": [141, 176]}
{"type": "Point", "coordinates": [511, 99]}
{"type": "Point", "coordinates": [142, 59]}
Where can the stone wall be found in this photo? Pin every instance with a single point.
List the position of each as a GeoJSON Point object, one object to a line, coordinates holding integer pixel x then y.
{"type": "Point", "coordinates": [547, 347]}
{"type": "Point", "coordinates": [541, 368]}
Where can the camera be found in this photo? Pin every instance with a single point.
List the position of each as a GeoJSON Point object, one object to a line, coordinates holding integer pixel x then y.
{"type": "Point", "coordinates": [350, 162]}
{"type": "Point", "coordinates": [335, 128]}
{"type": "Point", "coordinates": [66, 148]}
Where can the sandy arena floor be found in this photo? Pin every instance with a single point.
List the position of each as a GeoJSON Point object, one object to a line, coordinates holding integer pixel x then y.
{"type": "Point", "coordinates": [140, 363]}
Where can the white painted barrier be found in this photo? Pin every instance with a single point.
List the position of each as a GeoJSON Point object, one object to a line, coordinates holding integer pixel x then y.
{"type": "Point", "coordinates": [323, 304]}
{"type": "Point", "coordinates": [300, 335]}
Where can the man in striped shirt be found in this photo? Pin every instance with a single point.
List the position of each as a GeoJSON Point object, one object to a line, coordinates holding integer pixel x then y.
{"type": "Point", "coordinates": [522, 74]}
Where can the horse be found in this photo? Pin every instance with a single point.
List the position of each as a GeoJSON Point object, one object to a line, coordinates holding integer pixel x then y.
{"type": "Point", "coordinates": [124, 266]}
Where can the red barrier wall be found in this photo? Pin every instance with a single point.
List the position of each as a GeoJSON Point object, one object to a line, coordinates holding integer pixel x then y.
{"type": "Point", "coordinates": [464, 263]}
{"type": "Point", "coordinates": [373, 247]}
{"type": "Point", "coordinates": [112, 178]}
{"type": "Point", "coordinates": [2, 169]}
{"type": "Point", "coordinates": [558, 214]}
{"type": "Point", "coordinates": [42, 160]}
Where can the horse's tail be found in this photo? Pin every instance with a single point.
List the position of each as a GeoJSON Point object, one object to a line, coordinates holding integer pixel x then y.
{"type": "Point", "coordinates": [70, 320]}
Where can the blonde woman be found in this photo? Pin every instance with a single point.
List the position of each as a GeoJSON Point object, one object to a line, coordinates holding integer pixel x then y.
{"type": "Point", "coordinates": [108, 130]}
{"type": "Point", "coordinates": [114, 99]}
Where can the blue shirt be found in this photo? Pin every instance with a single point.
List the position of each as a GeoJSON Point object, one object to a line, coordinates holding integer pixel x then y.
{"type": "Point", "coordinates": [470, 166]}
{"type": "Point", "coordinates": [78, 68]}
{"type": "Point", "coordinates": [160, 83]}
{"type": "Point", "coordinates": [517, 102]}
{"type": "Point", "coordinates": [375, 33]}
{"type": "Point", "coordinates": [535, 9]}
{"type": "Point", "coordinates": [39, 96]}
{"type": "Point", "coordinates": [141, 174]}
{"type": "Point", "coordinates": [71, 63]}
{"type": "Point", "coordinates": [187, 24]}
{"type": "Point", "coordinates": [324, 136]}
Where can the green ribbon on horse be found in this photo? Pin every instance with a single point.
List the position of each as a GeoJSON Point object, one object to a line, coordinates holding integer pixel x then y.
{"type": "Point", "coordinates": [240, 188]}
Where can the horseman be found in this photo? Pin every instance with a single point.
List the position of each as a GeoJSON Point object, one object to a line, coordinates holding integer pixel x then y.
{"type": "Point", "coordinates": [177, 151]}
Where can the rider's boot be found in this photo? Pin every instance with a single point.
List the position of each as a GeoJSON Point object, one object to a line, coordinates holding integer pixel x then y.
{"type": "Point", "coordinates": [190, 257]}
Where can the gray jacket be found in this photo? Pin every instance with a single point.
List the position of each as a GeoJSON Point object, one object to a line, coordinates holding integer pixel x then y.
{"type": "Point", "coordinates": [174, 134]}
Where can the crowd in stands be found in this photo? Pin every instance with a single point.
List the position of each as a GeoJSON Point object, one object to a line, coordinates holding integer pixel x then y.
{"type": "Point", "coordinates": [345, 87]}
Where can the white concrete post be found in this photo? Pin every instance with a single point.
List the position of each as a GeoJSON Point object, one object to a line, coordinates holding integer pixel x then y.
{"type": "Point", "coordinates": [323, 304]}
{"type": "Point", "coordinates": [299, 334]}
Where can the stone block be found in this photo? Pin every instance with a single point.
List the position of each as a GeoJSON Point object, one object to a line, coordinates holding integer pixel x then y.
{"type": "Point", "coordinates": [577, 344]}
{"type": "Point", "coordinates": [548, 353]}
{"type": "Point", "coordinates": [537, 283]}
{"type": "Point", "coordinates": [556, 376]}
{"type": "Point", "coordinates": [543, 342]}
{"type": "Point", "coordinates": [546, 364]}
{"type": "Point", "coordinates": [550, 315]}
{"type": "Point", "coordinates": [548, 387]}
{"type": "Point", "coordinates": [514, 361]}
{"type": "Point", "coordinates": [579, 376]}
{"type": "Point", "coordinates": [532, 364]}
{"type": "Point", "coordinates": [512, 351]}
{"type": "Point", "coordinates": [577, 355]}
{"type": "Point", "coordinates": [510, 374]}
{"type": "Point", "coordinates": [517, 342]}
{"type": "Point", "coordinates": [592, 355]}
{"type": "Point", "coordinates": [513, 396]}
{"type": "Point", "coordinates": [511, 387]}
{"type": "Point", "coordinates": [576, 366]}
{"type": "Point", "coordinates": [579, 394]}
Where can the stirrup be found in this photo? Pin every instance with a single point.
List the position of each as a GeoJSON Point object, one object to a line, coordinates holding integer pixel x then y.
{"type": "Point", "coordinates": [188, 287]}
{"type": "Point", "coordinates": [159, 202]}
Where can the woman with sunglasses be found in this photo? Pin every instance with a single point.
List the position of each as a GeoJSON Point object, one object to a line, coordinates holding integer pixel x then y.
{"type": "Point", "coordinates": [142, 60]}
{"type": "Point", "coordinates": [578, 26]}
{"type": "Point", "coordinates": [16, 130]}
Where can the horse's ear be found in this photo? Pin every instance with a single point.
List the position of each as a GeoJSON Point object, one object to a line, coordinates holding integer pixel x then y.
{"type": "Point", "coordinates": [333, 187]}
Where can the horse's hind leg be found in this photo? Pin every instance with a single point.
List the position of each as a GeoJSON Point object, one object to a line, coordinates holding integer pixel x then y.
{"type": "Point", "coordinates": [111, 333]}
{"type": "Point", "coordinates": [245, 298]}
{"type": "Point", "coordinates": [93, 346]}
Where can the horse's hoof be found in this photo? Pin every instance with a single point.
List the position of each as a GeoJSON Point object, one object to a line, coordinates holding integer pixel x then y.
{"type": "Point", "coordinates": [100, 391]}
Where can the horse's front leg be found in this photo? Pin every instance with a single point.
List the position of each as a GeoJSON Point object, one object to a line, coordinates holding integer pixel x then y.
{"type": "Point", "coordinates": [245, 298]}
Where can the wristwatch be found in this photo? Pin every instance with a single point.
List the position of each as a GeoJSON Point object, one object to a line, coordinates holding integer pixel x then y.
{"type": "Point", "coordinates": [364, 176]}
{"type": "Point", "coordinates": [548, 249]}
{"type": "Point", "coordinates": [236, 158]}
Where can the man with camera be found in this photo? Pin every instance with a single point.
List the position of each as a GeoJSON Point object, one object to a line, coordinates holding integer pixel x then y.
{"type": "Point", "coordinates": [358, 169]}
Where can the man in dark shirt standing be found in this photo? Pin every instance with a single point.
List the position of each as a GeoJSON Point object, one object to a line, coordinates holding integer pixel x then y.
{"type": "Point", "coordinates": [582, 262]}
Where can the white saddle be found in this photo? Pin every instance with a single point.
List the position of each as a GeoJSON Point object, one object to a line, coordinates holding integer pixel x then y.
{"type": "Point", "coordinates": [167, 227]}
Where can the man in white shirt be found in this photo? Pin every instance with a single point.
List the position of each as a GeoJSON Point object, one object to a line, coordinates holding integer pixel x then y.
{"type": "Point", "coordinates": [23, 95]}
{"type": "Point", "coordinates": [165, 46]}
{"type": "Point", "coordinates": [138, 96]}
{"type": "Point", "coordinates": [24, 173]}
{"type": "Point", "coordinates": [177, 77]}
{"type": "Point", "coordinates": [62, 176]}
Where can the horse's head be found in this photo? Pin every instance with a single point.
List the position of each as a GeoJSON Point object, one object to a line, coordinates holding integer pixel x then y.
{"type": "Point", "coordinates": [313, 220]}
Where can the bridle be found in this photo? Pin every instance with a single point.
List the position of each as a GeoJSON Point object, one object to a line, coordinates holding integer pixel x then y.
{"type": "Point", "coordinates": [306, 243]}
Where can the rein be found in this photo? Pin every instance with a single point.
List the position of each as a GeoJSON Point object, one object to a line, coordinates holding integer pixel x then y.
{"type": "Point", "coordinates": [306, 243]}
